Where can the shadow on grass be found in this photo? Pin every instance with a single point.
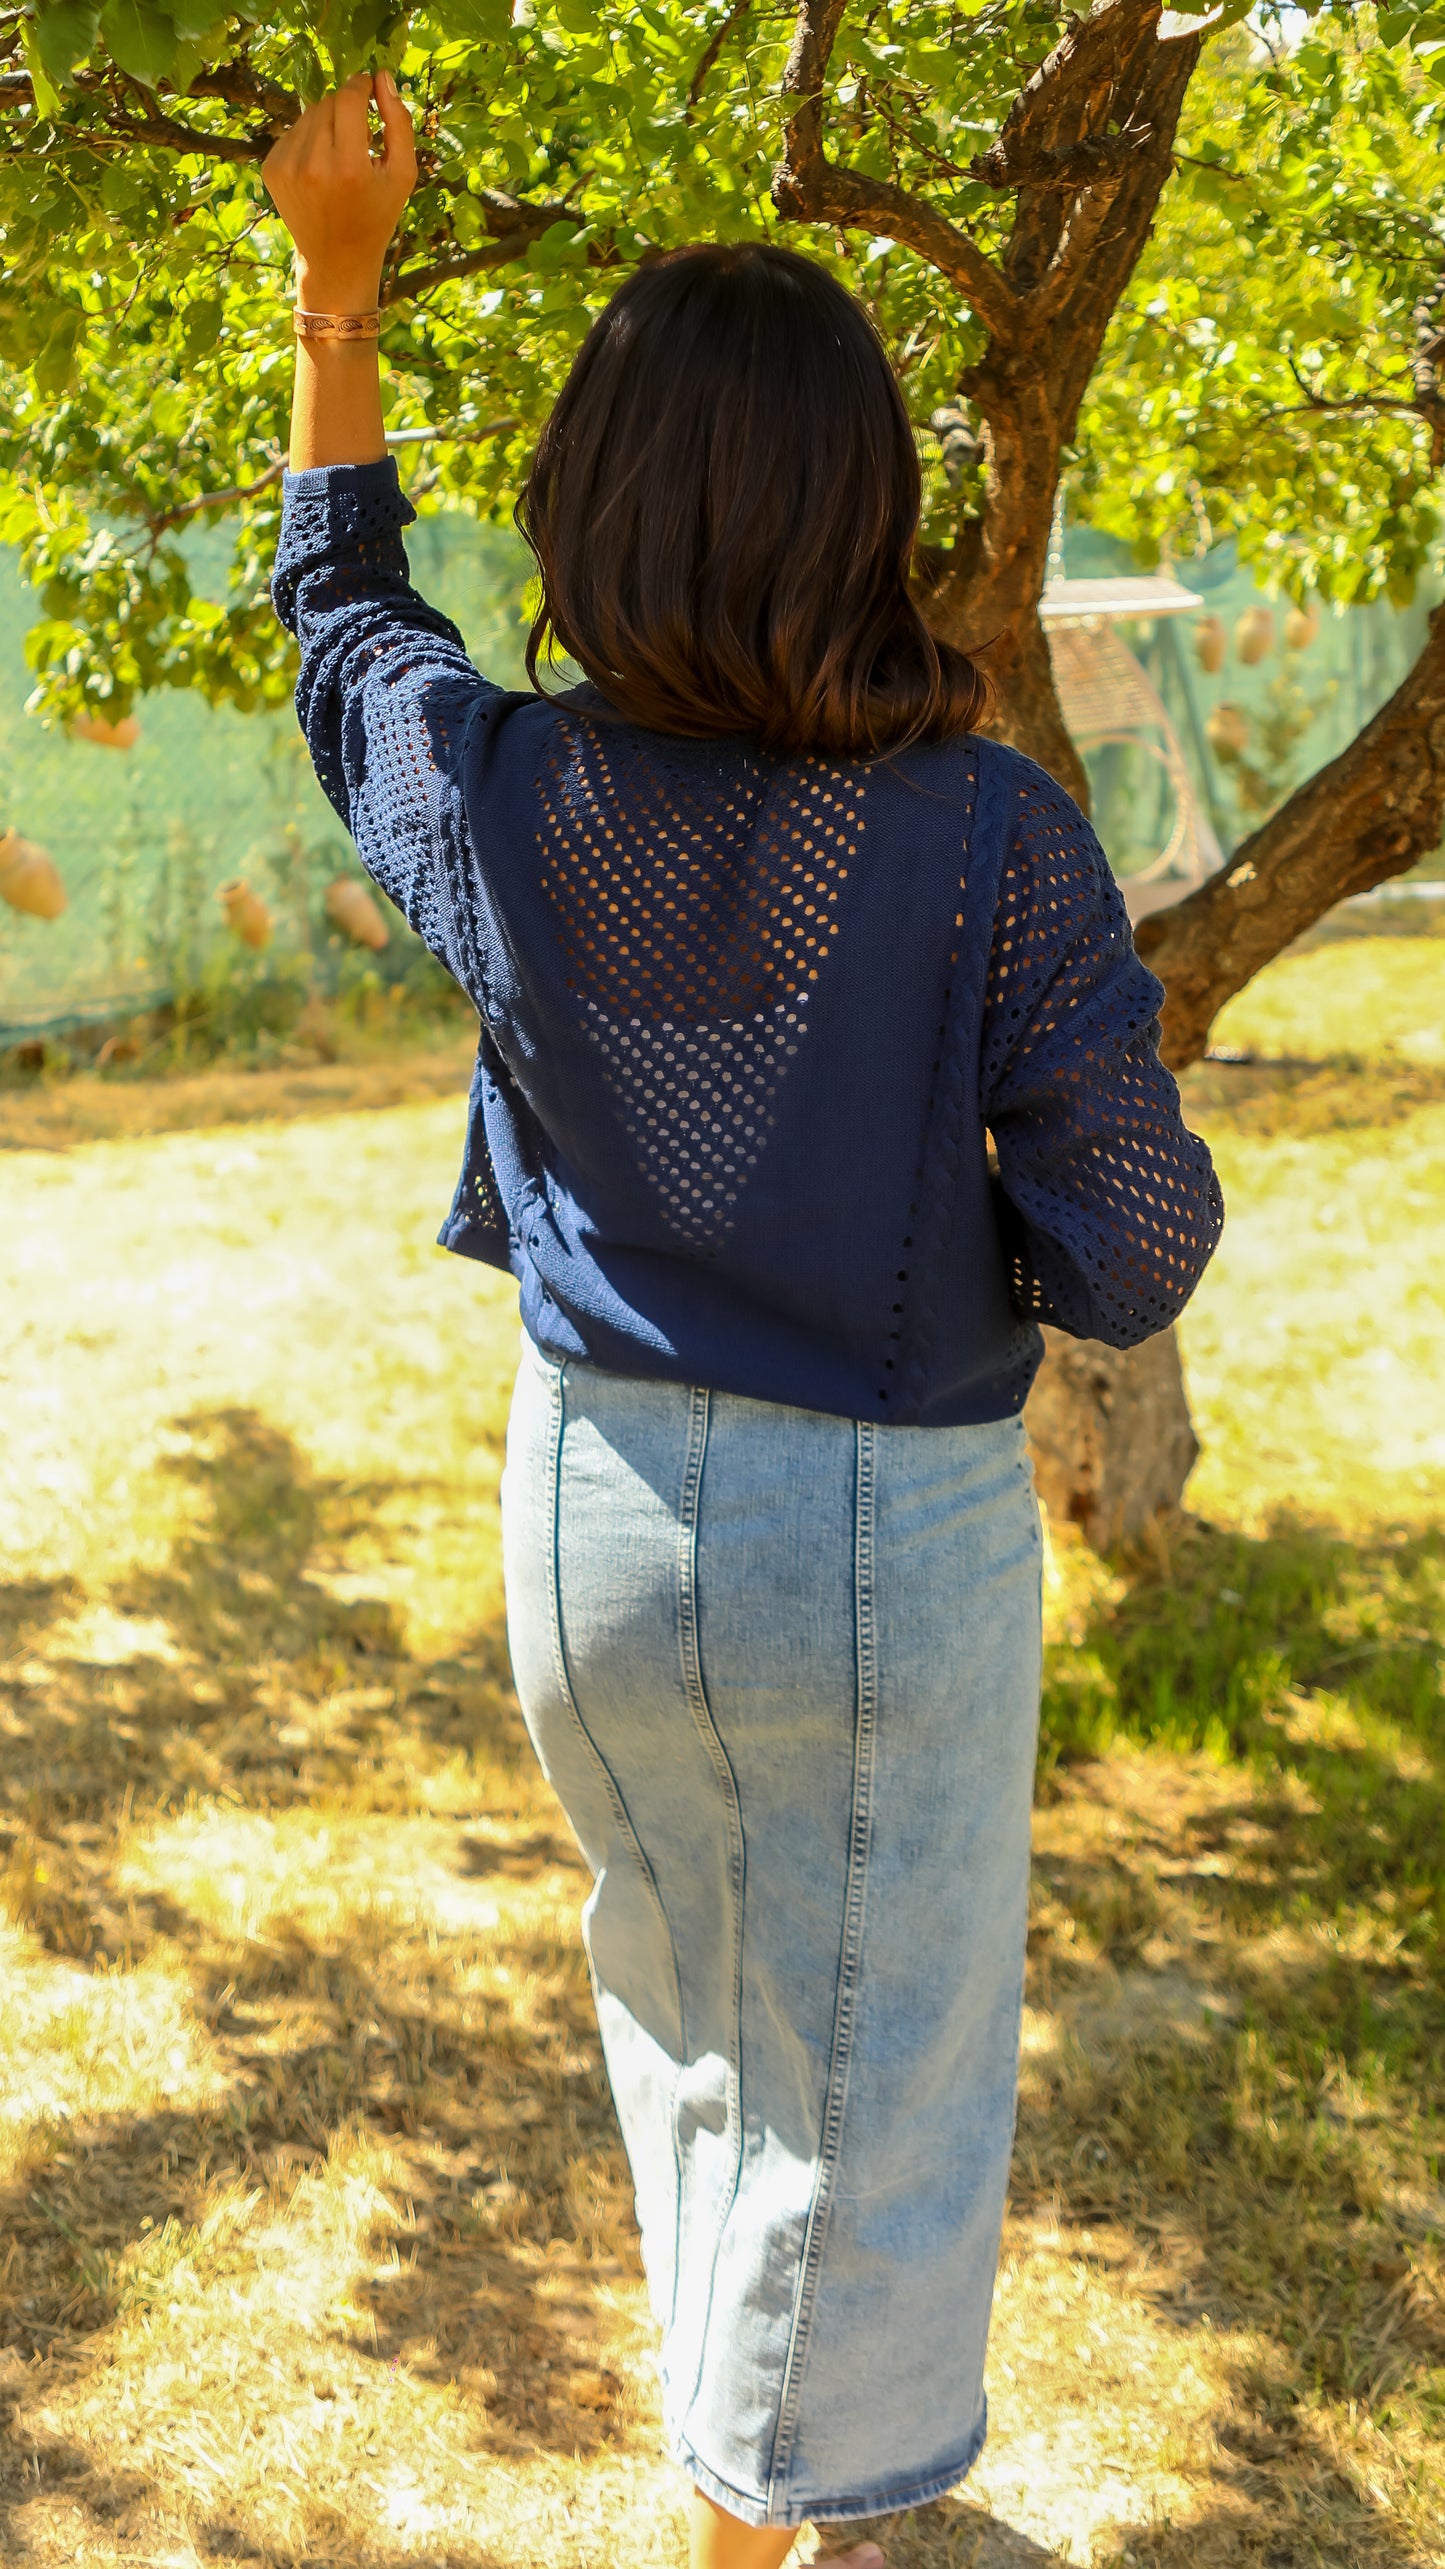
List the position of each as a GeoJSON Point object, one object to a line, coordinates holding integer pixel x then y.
{"type": "Point", "coordinates": [1345, 1093]}
{"type": "Point", "coordinates": [270, 1696]}
{"type": "Point", "coordinates": [1262, 2135]}
{"type": "Point", "coordinates": [1245, 1952]}
{"type": "Point", "coordinates": [1316, 1664]}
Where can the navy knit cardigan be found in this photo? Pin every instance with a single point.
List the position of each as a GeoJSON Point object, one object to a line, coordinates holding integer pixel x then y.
{"type": "Point", "coordinates": [747, 1021]}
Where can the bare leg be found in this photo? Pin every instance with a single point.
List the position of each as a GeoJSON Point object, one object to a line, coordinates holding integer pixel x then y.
{"type": "Point", "coordinates": [722, 2541]}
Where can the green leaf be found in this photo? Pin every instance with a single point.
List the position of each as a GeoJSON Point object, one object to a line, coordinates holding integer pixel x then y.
{"type": "Point", "coordinates": [562, 245]}
{"type": "Point", "coordinates": [201, 322]}
{"type": "Point", "coordinates": [140, 38]}
{"type": "Point", "coordinates": [189, 59]}
{"type": "Point", "coordinates": [47, 96]}
{"type": "Point", "coordinates": [481, 21]}
{"type": "Point", "coordinates": [120, 189]}
{"type": "Point", "coordinates": [22, 330]}
{"type": "Point", "coordinates": [55, 365]}
{"type": "Point", "coordinates": [301, 70]}
{"type": "Point", "coordinates": [64, 34]}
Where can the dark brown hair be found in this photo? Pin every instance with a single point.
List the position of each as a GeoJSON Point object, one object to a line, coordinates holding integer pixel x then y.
{"type": "Point", "coordinates": [724, 505]}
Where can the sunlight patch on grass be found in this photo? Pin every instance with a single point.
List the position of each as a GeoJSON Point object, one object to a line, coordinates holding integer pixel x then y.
{"type": "Point", "coordinates": [291, 1268]}
{"type": "Point", "coordinates": [315, 2232]}
{"type": "Point", "coordinates": [76, 2041]}
{"type": "Point", "coordinates": [1366, 997]}
{"type": "Point", "coordinates": [236, 1871]}
{"type": "Point", "coordinates": [1315, 1347]}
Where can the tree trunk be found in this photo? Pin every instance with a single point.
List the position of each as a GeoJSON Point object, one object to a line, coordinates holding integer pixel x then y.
{"type": "Point", "coordinates": [1373, 812]}
{"type": "Point", "coordinates": [1111, 1433]}
{"type": "Point", "coordinates": [1104, 108]}
{"type": "Point", "coordinates": [1112, 1439]}
{"type": "Point", "coordinates": [1085, 150]}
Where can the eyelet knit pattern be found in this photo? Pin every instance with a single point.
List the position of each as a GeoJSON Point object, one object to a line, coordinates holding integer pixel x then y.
{"type": "Point", "coordinates": [693, 928]}
{"type": "Point", "coordinates": [748, 1023]}
{"type": "Point", "coordinates": [1114, 1230]}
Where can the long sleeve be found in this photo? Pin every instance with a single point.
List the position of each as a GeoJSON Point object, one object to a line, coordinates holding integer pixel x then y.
{"type": "Point", "coordinates": [1109, 1207]}
{"type": "Point", "coordinates": [386, 696]}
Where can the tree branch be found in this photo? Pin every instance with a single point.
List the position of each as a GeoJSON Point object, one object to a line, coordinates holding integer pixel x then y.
{"type": "Point", "coordinates": [1371, 813]}
{"type": "Point", "coordinates": [150, 126]}
{"type": "Point", "coordinates": [240, 86]}
{"type": "Point", "coordinates": [1320, 402]}
{"type": "Point", "coordinates": [708, 57]}
{"type": "Point", "coordinates": [1073, 166]}
{"type": "Point", "coordinates": [162, 524]}
{"type": "Point", "coordinates": [451, 436]}
{"type": "Point", "coordinates": [513, 224]}
{"type": "Point", "coordinates": [808, 187]}
{"type": "Point", "coordinates": [1425, 369]}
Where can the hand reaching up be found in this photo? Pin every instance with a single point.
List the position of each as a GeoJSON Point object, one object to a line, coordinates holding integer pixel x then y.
{"type": "Point", "coordinates": [338, 199]}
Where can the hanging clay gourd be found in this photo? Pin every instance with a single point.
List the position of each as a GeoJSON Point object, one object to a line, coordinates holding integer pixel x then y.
{"type": "Point", "coordinates": [247, 916]}
{"type": "Point", "coordinates": [1254, 635]}
{"type": "Point", "coordinates": [1227, 731]}
{"type": "Point", "coordinates": [28, 878]}
{"type": "Point", "coordinates": [1210, 643]}
{"type": "Point", "coordinates": [107, 735]}
{"type": "Point", "coordinates": [1300, 627]}
{"type": "Point", "coordinates": [350, 907]}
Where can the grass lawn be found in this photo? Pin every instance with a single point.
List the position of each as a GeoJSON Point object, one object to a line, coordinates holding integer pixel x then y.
{"type": "Point", "coordinates": [315, 2238]}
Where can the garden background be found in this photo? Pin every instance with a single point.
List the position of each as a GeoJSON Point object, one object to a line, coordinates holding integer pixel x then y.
{"type": "Point", "coordinates": [316, 2248]}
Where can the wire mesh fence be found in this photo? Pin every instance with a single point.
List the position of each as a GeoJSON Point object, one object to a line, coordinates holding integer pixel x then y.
{"type": "Point", "coordinates": [151, 841]}
{"type": "Point", "coordinates": [146, 840]}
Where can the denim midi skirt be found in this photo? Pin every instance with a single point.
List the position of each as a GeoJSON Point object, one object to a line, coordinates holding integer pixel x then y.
{"type": "Point", "coordinates": [782, 1670]}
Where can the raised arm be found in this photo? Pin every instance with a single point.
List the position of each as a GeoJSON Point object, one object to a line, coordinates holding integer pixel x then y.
{"type": "Point", "coordinates": [1110, 1207]}
{"type": "Point", "coordinates": [387, 696]}
{"type": "Point", "coordinates": [341, 203]}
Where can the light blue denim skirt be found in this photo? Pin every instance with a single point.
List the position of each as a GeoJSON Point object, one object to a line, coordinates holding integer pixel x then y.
{"type": "Point", "coordinates": [782, 1670]}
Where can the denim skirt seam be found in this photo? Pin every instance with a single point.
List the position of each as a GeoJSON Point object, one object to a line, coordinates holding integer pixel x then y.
{"type": "Point", "coordinates": [695, 1691]}
{"type": "Point", "coordinates": [783, 1670]}
{"type": "Point", "coordinates": [556, 1375]}
{"type": "Point", "coordinates": [849, 1963]}
{"type": "Point", "coordinates": [888, 2500]}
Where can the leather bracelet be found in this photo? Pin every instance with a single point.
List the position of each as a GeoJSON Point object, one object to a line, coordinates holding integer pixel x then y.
{"type": "Point", "coordinates": [336, 325]}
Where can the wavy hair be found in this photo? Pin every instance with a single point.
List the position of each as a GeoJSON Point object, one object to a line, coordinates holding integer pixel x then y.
{"type": "Point", "coordinates": [724, 506]}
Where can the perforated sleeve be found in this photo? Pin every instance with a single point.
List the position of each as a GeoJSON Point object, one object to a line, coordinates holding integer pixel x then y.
{"type": "Point", "coordinates": [386, 696]}
{"type": "Point", "coordinates": [1110, 1207]}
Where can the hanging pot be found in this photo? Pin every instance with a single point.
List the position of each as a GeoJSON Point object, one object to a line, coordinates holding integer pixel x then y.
{"type": "Point", "coordinates": [29, 880]}
{"type": "Point", "coordinates": [1227, 731]}
{"type": "Point", "coordinates": [1300, 627]}
{"type": "Point", "coordinates": [1210, 643]}
{"type": "Point", "coordinates": [106, 735]}
{"type": "Point", "coordinates": [1254, 635]}
{"type": "Point", "coordinates": [350, 907]}
{"type": "Point", "coordinates": [247, 916]}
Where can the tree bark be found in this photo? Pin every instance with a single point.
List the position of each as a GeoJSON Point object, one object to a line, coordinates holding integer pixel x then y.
{"type": "Point", "coordinates": [1106, 103]}
{"type": "Point", "coordinates": [1112, 1440]}
{"type": "Point", "coordinates": [1026, 711]}
{"type": "Point", "coordinates": [1084, 150]}
{"type": "Point", "coordinates": [1372, 812]}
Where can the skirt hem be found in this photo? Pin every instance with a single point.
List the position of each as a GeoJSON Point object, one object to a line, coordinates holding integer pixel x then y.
{"type": "Point", "coordinates": [892, 2501]}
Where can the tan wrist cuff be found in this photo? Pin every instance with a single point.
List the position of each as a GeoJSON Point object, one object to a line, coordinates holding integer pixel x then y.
{"type": "Point", "coordinates": [336, 325]}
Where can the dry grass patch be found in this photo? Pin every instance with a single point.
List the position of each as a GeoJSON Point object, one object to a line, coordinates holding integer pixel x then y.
{"type": "Point", "coordinates": [49, 1114]}
{"type": "Point", "coordinates": [315, 2239]}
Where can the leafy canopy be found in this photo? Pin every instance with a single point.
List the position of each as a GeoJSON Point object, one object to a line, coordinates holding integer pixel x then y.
{"type": "Point", "coordinates": [1262, 376]}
